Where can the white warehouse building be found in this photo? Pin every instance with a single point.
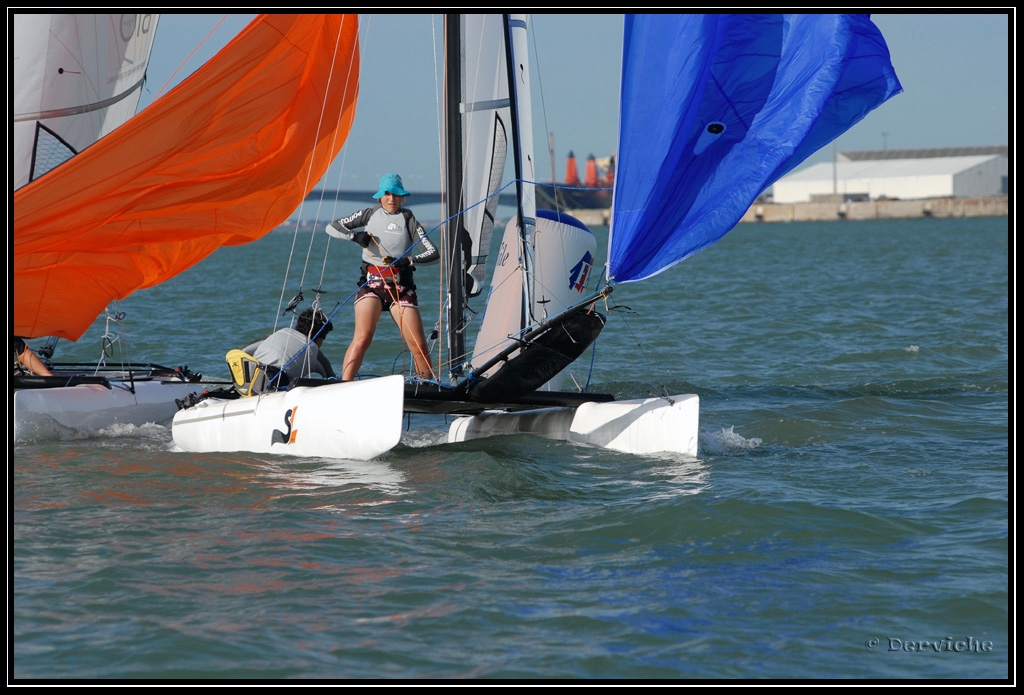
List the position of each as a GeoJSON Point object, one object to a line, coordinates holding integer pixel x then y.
{"type": "Point", "coordinates": [957, 172]}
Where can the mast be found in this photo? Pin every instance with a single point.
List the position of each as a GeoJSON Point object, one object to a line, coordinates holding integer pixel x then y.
{"type": "Point", "coordinates": [453, 193]}
{"type": "Point", "coordinates": [522, 148]}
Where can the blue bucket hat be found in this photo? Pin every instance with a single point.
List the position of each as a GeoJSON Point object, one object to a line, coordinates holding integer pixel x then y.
{"type": "Point", "coordinates": [390, 183]}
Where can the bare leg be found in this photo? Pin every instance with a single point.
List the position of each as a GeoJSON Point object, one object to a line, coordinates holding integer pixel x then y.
{"type": "Point", "coordinates": [411, 325]}
{"type": "Point", "coordinates": [32, 362]}
{"type": "Point", "coordinates": [368, 311]}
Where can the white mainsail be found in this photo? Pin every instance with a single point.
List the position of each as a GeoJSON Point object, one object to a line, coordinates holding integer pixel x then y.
{"type": "Point", "coordinates": [537, 269]}
{"type": "Point", "coordinates": [77, 77]}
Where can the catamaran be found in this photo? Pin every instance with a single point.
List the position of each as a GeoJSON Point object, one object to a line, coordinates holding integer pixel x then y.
{"type": "Point", "coordinates": [714, 109]}
{"type": "Point", "coordinates": [108, 202]}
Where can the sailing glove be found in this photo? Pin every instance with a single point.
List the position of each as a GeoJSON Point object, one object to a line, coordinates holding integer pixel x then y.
{"type": "Point", "coordinates": [335, 230]}
{"type": "Point", "coordinates": [400, 263]}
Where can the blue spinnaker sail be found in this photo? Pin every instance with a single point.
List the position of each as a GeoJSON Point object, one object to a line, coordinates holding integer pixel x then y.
{"type": "Point", "coordinates": [716, 108]}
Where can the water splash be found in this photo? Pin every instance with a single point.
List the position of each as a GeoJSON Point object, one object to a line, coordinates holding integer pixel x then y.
{"type": "Point", "coordinates": [726, 442]}
{"type": "Point", "coordinates": [424, 437]}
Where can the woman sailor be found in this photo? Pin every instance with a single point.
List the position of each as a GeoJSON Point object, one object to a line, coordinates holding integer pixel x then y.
{"type": "Point", "coordinates": [389, 232]}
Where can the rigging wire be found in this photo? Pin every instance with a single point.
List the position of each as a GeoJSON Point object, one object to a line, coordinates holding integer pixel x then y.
{"type": "Point", "coordinates": [444, 227]}
{"type": "Point", "coordinates": [344, 153]}
{"type": "Point", "coordinates": [305, 353]}
{"type": "Point", "coordinates": [535, 70]}
{"type": "Point", "coordinates": [160, 92]}
{"type": "Point", "coordinates": [622, 310]}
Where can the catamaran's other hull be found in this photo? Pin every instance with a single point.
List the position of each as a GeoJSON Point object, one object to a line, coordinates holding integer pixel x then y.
{"type": "Point", "coordinates": [351, 420]}
{"type": "Point", "coordinates": [643, 426]}
{"type": "Point", "coordinates": [96, 406]}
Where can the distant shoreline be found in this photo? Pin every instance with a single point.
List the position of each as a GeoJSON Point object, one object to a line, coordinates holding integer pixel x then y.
{"type": "Point", "coordinates": [990, 206]}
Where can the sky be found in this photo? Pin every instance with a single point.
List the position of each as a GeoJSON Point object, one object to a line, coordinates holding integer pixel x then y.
{"type": "Point", "coordinates": [954, 69]}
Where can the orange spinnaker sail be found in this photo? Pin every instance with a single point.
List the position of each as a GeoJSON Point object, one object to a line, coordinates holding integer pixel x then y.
{"type": "Point", "coordinates": [222, 159]}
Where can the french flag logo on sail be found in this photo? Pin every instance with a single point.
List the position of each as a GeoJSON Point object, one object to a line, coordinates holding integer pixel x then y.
{"type": "Point", "coordinates": [580, 272]}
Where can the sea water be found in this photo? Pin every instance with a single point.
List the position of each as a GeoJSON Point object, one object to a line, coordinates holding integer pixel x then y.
{"type": "Point", "coordinates": [847, 516]}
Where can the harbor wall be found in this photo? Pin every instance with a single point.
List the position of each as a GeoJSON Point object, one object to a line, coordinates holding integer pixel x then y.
{"type": "Point", "coordinates": [995, 206]}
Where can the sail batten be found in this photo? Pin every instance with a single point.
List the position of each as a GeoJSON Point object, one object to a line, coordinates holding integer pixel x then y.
{"type": "Point", "coordinates": [716, 108]}
{"type": "Point", "coordinates": [222, 159]}
{"type": "Point", "coordinates": [131, 91]}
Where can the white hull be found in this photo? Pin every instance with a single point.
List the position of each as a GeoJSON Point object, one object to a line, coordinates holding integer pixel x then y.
{"type": "Point", "coordinates": [39, 412]}
{"type": "Point", "coordinates": [351, 420]}
{"type": "Point", "coordinates": [643, 426]}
